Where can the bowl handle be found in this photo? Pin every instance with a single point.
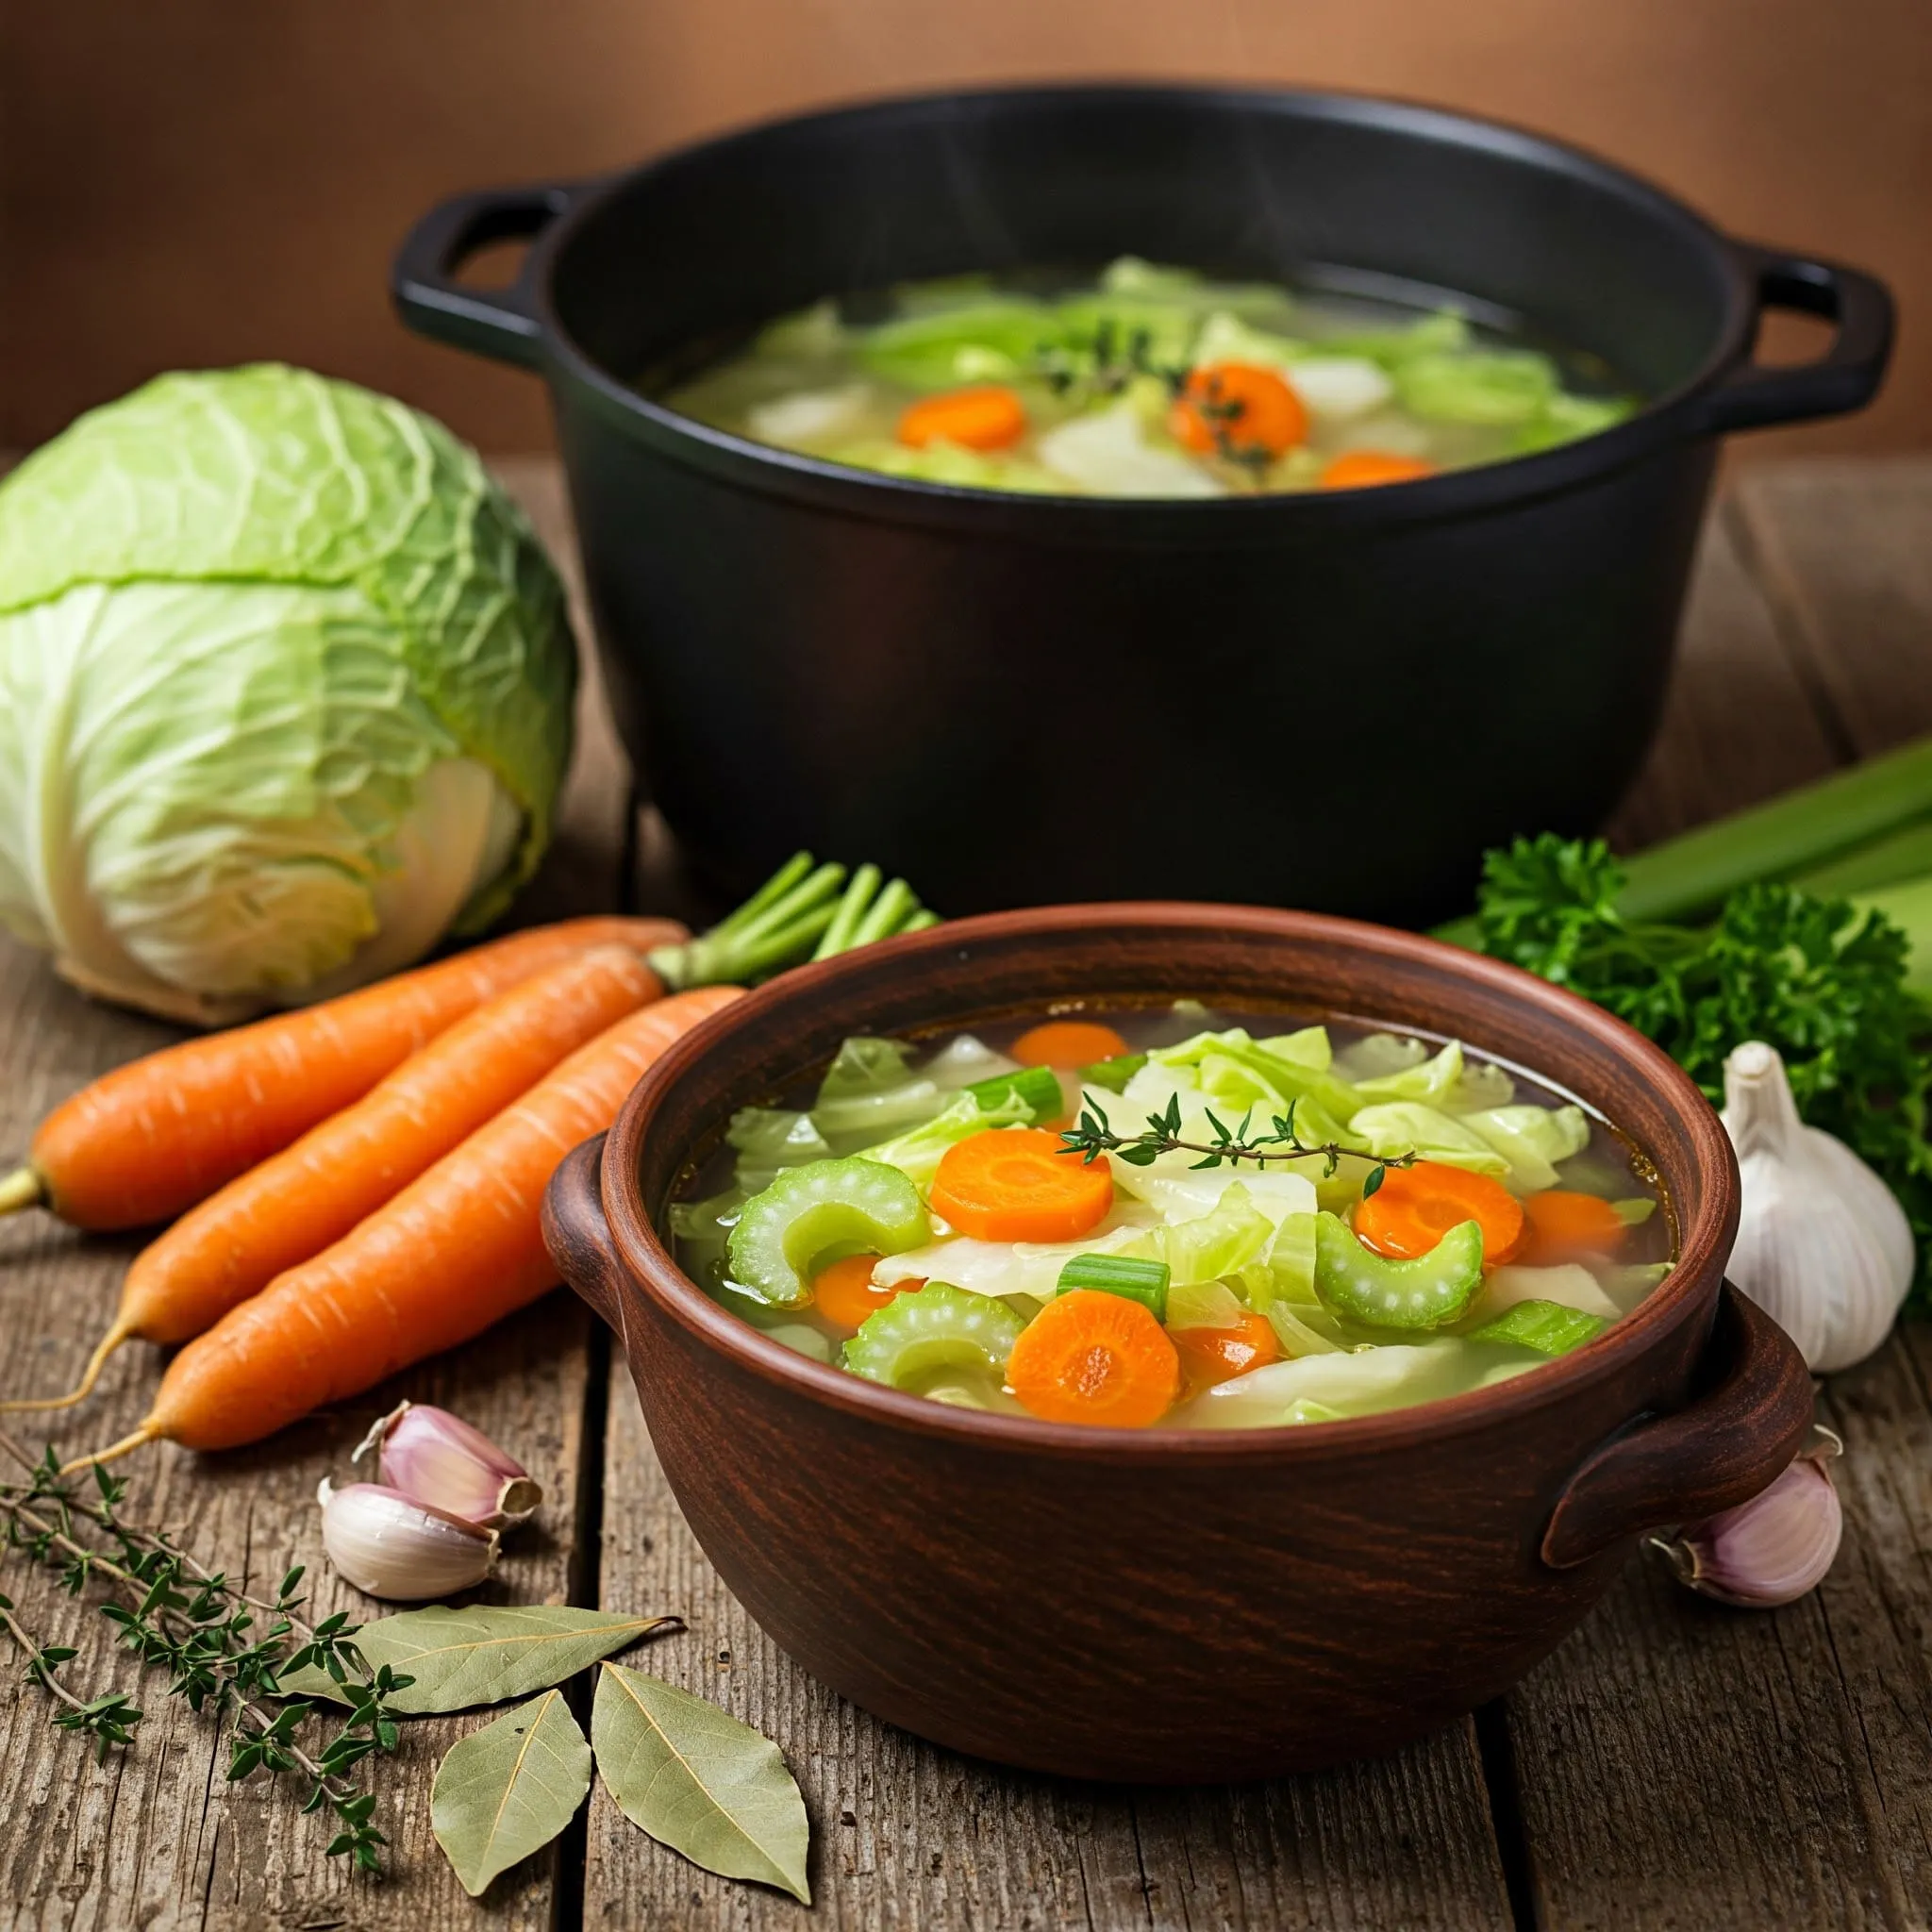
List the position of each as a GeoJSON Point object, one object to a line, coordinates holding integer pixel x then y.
{"type": "Point", "coordinates": [502, 324]}
{"type": "Point", "coordinates": [578, 1236]}
{"type": "Point", "coordinates": [1737, 1434]}
{"type": "Point", "coordinates": [1845, 377]}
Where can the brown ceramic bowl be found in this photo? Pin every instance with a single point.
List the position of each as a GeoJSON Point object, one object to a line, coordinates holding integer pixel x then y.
{"type": "Point", "coordinates": [1176, 1605]}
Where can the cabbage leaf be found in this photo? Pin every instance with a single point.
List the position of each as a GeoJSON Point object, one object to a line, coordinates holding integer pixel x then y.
{"type": "Point", "coordinates": [1533, 1140]}
{"type": "Point", "coordinates": [1234, 1070]}
{"type": "Point", "coordinates": [868, 1089]}
{"type": "Point", "coordinates": [769, 1139]}
{"type": "Point", "coordinates": [1448, 1080]}
{"type": "Point", "coordinates": [1003, 1268]}
{"type": "Point", "coordinates": [1483, 386]}
{"type": "Point", "coordinates": [1408, 1126]}
{"type": "Point", "coordinates": [1445, 332]}
{"type": "Point", "coordinates": [1226, 338]}
{"type": "Point", "coordinates": [1565, 417]}
{"type": "Point", "coordinates": [1230, 1241]}
{"type": "Point", "coordinates": [1572, 1285]}
{"type": "Point", "coordinates": [981, 341]}
{"type": "Point", "coordinates": [963, 1060]}
{"type": "Point", "coordinates": [917, 1152]}
{"type": "Point", "coordinates": [951, 463]}
{"type": "Point", "coordinates": [1363, 1382]}
{"type": "Point", "coordinates": [1108, 452]}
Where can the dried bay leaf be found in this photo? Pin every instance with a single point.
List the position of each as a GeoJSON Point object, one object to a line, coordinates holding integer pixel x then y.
{"type": "Point", "coordinates": [699, 1781]}
{"type": "Point", "coordinates": [508, 1790]}
{"type": "Point", "coordinates": [486, 1654]}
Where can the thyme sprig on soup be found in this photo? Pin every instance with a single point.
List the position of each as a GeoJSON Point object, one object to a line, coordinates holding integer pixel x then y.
{"type": "Point", "coordinates": [1146, 381]}
{"type": "Point", "coordinates": [1167, 1218]}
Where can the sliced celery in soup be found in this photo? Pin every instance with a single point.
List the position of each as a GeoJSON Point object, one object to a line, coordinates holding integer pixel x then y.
{"type": "Point", "coordinates": [1145, 381]}
{"type": "Point", "coordinates": [1175, 1219]}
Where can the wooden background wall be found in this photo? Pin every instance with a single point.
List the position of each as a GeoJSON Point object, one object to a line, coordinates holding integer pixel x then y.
{"type": "Point", "coordinates": [201, 181]}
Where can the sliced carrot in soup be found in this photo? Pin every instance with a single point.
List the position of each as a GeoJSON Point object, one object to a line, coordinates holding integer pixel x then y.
{"type": "Point", "coordinates": [1096, 1358]}
{"type": "Point", "coordinates": [1017, 1184]}
{"type": "Point", "coordinates": [1068, 1043]}
{"type": "Point", "coordinates": [1415, 1206]}
{"type": "Point", "coordinates": [989, 417]}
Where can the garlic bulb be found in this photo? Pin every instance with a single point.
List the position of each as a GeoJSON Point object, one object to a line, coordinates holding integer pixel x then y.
{"type": "Point", "coordinates": [391, 1547]}
{"type": "Point", "coordinates": [1772, 1549]}
{"type": "Point", "coordinates": [437, 1458]}
{"type": "Point", "coordinates": [1823, 1247]}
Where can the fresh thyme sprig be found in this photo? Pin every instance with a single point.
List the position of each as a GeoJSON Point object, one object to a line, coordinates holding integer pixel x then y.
{"type": "Point", "coordinates": [1106, 362]}
{"type": "Point", "coordinates": [1091, 1136]}
{"type": "Point", "coordinates": [108, 1720]}
{"type": "Point", "coordinates": [181, 1616]}
{"type": "Point", "coordinates": [1222, 414]}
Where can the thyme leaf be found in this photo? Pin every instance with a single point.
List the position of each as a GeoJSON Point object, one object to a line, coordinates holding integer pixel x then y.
{"type": "Point", "coordinates": [1091, 1136]}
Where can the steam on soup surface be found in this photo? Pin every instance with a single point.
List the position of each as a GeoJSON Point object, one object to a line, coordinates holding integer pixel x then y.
{"type": "Point", "coordinates": [917, 1219]}
{"type": "Point", "coordinates": [1149, 382]}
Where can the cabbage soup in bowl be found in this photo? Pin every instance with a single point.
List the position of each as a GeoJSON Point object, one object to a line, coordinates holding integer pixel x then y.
{"type": "Point", "coordinates": [1172, 1217]}
{"type": "Point", "coordinates": [1058, 1562]}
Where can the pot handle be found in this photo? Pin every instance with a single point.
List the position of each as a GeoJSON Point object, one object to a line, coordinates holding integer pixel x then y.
{"type": "Point", "coordinates": [1845, 377]}
{"type": "Point", "coordinates": [498, 322]}
{"type": "Point", "coordinates": [1736, 1436]}
{"type": "Point", "coordinates": [578, 1236]}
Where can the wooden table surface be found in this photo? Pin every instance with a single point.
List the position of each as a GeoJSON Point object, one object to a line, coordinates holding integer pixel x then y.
{"type": "Point", "coordinates": [1673, 1764]}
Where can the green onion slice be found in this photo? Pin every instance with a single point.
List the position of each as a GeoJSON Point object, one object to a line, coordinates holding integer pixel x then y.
{"type": "Point", "coordinates": [1039, 1087]}
{"type": "Point", "coordinates": [1113, 1074]}
{"type": "Point", "coordinates": [1124, 1275]}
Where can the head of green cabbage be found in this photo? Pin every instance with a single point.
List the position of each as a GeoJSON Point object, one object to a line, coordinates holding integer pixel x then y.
{"type": "Point", "coordinates": [285, 692]}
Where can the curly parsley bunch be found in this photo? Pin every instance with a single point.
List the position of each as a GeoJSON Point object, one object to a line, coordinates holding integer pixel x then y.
{"type": "Point", "coordinates": [1817, 978]}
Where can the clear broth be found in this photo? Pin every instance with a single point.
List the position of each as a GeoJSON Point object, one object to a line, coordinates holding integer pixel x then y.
{"type": "Point", "coordinates": [1103, 356]}
{"type": "Point", "coordinates": [1437, 1362]}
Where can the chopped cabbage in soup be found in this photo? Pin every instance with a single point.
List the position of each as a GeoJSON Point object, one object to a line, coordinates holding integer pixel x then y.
{"type": "Point", "coordinates": [1150, 382]}
{"type": "Point", "coordinates": [1141, 1219]}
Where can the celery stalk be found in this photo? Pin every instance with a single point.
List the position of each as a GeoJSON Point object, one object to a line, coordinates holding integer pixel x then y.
{"type": "Point", "coordinates": [1895, 860]}
{"type": "Point", "coordinates": [799, 911]}
{"type": "Point", "coordinates": [1694, 873]}
{"type": "Point", "coordinates": [837, 936]}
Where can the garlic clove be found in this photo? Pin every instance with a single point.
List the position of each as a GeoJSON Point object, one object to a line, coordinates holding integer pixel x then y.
{"type": "Point", "coordinates": [1822, 1247]}
{"type": "Point", "coordinates": [439, 1459]}
{"type": "Point", "coordinates": [390, 1546]}
{"type": "Point", "coordinates": [1771, 1550]}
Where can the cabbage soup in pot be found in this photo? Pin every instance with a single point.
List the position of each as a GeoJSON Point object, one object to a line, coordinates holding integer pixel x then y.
{"type": "Point", "coordinates": [1147, 381]}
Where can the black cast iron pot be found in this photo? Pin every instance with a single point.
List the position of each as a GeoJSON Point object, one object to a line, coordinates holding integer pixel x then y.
{"type": "Point", "coordinates": [1332, 701]}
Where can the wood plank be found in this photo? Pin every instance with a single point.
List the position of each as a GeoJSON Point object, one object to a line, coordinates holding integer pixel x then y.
{"type": "Point", "coordinates": [156, 1837]}
{"type": "Point", "coordinates": [1844, 550]}
{"type": "Point", "coordinates": [905, 1835]}
{"type": "Point", "coordinates": [1680, 1763]}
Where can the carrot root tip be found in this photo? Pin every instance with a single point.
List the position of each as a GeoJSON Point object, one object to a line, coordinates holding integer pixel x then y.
{"type": "Point", "coordinates": [83, 1389]}
{"type": "Point", "coordinates": [19, 1190]}
{"type": "Point", "coordinates": [148, 1432]}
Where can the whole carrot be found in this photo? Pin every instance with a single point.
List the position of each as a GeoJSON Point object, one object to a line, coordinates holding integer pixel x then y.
{"type": "Point", "coordinates": [299, 1201]}
{"type": "Point", "coordinates": [141, 1143]}
{"type": "Point", "coordinates": [457, 1250]}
